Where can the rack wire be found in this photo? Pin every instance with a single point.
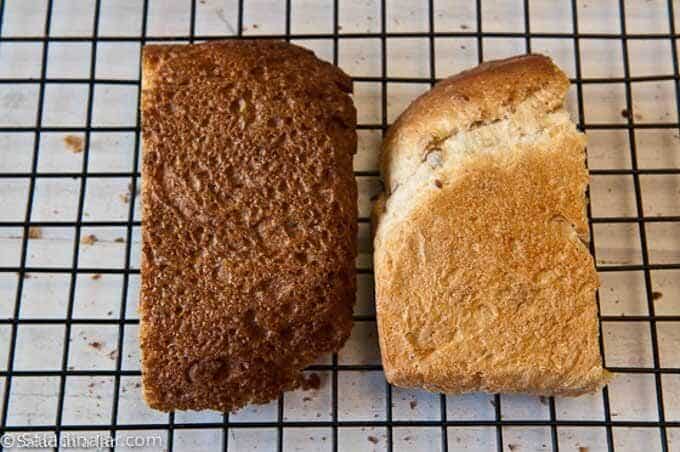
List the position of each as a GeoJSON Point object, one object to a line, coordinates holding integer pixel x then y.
{"type": "Point", "coordinates": [443, 427]}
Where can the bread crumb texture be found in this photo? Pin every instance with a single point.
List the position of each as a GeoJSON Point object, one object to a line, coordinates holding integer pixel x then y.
{"type": "Point", "coordinates": [484, 281]}
{"type": "Point", "coordinates": [35, 232]}
{"type": "Point", "coordinates": [89, 239]}
{"type": "Point", "coordinates": [74, 143]}
{"type": "Point", "coordinates": [249, 205]}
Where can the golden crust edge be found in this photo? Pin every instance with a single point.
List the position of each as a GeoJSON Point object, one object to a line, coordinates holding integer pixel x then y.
{"type": "Point", "coordinates": [463, 100]}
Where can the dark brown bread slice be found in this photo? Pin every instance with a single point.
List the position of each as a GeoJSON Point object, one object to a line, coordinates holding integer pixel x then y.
{"type": "Point", "coordinates": [249, 206]}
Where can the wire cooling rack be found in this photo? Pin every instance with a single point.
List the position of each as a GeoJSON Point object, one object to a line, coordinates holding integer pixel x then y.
{"type": "Point", "coordinates": [69, 220]}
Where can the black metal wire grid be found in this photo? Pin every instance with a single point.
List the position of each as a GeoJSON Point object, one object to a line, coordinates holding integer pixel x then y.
{"type": "Point", "coordinates": [661, 424]}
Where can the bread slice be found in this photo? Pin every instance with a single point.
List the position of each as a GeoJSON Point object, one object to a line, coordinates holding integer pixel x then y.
{"type": "Point", "coordinates": [484, 281]}
{"type": "Point", "coordinates": [249, 220]}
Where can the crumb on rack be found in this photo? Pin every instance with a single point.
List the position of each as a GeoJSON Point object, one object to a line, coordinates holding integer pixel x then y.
{"type": "Point", "coordinates": [96, 276]}
{"type": "Point", "coordinates": [413, 404]}
{"type": "Point", "coordinates": [74, 143]}
{"type": "Point", "coordinates": [372, 439]}
{"type": "Point", "coordinates": [656, 295]}
{"type": "Point", "coordinates": [89, 239]}
{"type": "Point", "coordinates": [313, 381]}
{"type": "Point", "coordinates": [582, 449]}
{"type": "Point", "coordinates": [34, 232]}
{"type": "Point", "coordinates": [119, 240]}
{"type": "Point", "coordinates": [124, 197]}
{"type": "Point", "coordinates": [95, 344]}
{"type": "Point", "coordinates": [131, 190]}
{"type": "Point", "coordinates": [543, 400]}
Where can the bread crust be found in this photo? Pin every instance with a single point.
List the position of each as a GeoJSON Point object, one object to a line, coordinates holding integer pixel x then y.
{"type": "Point", "coordinates": [483, 279]}
{"type": "Point", "coordinates": [249, 231]}
{"type": "Point", "coordinates": [473, 97]}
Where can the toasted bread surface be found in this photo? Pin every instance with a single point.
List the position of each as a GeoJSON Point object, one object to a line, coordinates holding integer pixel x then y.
{"type": "Point", "coordinates": [484, 281]}
{"type": "Point", "coordinates": [249, 220]}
